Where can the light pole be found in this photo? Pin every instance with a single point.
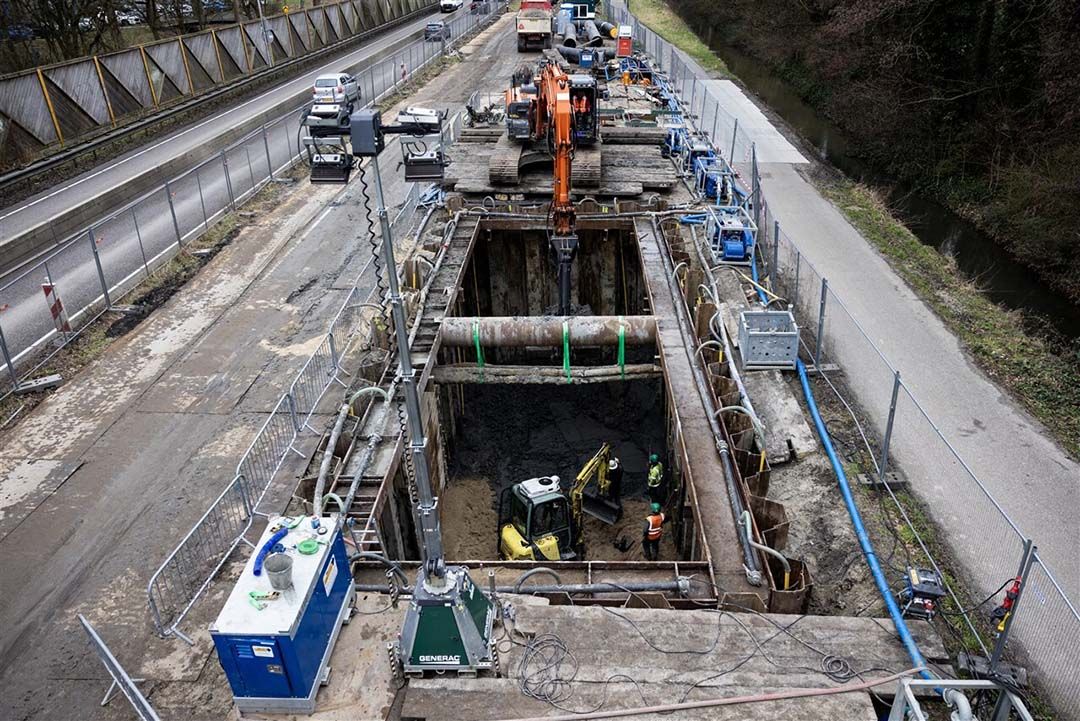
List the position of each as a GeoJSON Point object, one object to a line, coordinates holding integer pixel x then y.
{"type": "Point", "coordinates": [265, 34]}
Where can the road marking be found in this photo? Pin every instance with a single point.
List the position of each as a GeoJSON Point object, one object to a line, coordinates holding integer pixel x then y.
{"type": "Point", "coordinates": [217, 118]}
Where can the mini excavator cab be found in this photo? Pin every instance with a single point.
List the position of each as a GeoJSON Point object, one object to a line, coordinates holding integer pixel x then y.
{"type": "Point", "coordinates": [538, 524]}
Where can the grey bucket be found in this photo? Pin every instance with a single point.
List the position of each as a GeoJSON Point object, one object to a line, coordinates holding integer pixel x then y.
{"type": "Point", "coordinates": [279, 570]}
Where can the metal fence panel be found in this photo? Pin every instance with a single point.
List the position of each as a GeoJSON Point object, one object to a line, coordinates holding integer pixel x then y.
{"type": "Point", "coordinates": [199, 555]}
{"type": "Point", "coordinates": [267, 451]}
{"type": "Point", "coordinates": [1048, 627]}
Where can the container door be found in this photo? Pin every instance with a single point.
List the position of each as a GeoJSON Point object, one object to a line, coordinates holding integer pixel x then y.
{"type": "Point", "coordinates": [262, 670]}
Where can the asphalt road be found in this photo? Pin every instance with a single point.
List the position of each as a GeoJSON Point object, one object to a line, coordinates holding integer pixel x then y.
{"type": "Point", "coordinates": [135, 242]}
{"type": "Point", "coordinates": [154, 431]}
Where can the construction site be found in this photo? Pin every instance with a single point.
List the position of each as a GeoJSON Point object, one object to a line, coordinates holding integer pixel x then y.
{"type": "Point", "coordinates": [562, 458]}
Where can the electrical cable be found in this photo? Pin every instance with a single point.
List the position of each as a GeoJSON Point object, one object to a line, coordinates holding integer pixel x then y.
{"type": "Point", "coordinates": [980, 604]}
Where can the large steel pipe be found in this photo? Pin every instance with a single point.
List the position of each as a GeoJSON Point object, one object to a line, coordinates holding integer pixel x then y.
{"type": "Point", "coordinates": [570, 35]}
{"type": "Point", "coordinates": [608, 29]}
{"type": "Point", "coordinates": [522, 331]}
{"type": "Point", "coordinates": [593, 34]}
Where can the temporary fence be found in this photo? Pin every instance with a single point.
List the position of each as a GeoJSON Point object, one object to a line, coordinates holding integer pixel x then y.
{"type": "Point", "coordinates": [187, 572]}
{"type": "Point", "coordinates": [92, 271]}
{"type": "Point", "coordinates": [121, 680]}
{"type": "Point", "coordinates": [61, 104]}
{"type": "Point", "coordinates": [895, 429]}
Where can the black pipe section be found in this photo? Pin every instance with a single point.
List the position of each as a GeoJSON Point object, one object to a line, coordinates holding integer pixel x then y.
{"type": "Point", "coordinates": [591, 32]}
{"type": "Point", "coordinates": [574, 55]}
{"type": "Point", "coordinates": [607, 29]}
{"type": "Point", "coordinates": [570, 35]}
{"type": "Point", "coordinates": [631, 587]}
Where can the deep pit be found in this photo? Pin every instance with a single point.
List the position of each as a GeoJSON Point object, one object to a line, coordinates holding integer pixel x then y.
{"type": "Point", "coordinates": [510, 433]}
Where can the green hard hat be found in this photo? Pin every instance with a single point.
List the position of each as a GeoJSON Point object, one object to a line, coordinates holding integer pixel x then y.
{"type": "Point", "coordinates": [653, 458]}
{"type": "Point", "coordinates": [656, 508]}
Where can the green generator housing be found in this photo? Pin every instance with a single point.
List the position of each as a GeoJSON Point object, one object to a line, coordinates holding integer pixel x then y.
{"type": "Point", "coordinates": [448, 626]}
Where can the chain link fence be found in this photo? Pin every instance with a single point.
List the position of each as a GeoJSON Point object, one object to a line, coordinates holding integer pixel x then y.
{"type": "Point", "coordinates": [897, 432]}
{"type": "Point", "coordinates": [47, 305]}
{"type": "Point", "coordinates": [184, 576]}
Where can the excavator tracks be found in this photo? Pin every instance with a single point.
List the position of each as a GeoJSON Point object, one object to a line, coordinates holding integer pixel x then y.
{"type": "Point", "coordinates": [504, 164]}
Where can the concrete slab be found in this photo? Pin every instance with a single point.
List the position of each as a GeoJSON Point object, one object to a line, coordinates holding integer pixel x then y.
{"type": "Point", "coordinates": [28, 482]}
{"type": "Point", "coordinates": [782, 415]}
{"type": "Point", "coordinates": [678, 655]}
{"type": "Point", "coordinates": [772, 147]}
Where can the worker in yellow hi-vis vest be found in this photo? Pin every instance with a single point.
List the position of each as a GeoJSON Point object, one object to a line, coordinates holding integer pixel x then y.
{"type": "Point", "coordinates": [655, 480]}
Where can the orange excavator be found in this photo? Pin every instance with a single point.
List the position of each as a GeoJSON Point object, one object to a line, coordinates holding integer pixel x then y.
{"type": "Point", "coordinates": [561, 110]}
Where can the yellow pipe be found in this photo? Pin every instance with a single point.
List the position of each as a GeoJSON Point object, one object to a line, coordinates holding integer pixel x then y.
{"type": "Point", "coordinates": [52, 110]}
{"type": "Point", "coordinates": [217, 53]}
{"type": "Point", "coordinates": [187, 69]}
{"type": "Point", "coordinates": [149, 79]}
{"type": "Point", "coordinates": [105, 91]}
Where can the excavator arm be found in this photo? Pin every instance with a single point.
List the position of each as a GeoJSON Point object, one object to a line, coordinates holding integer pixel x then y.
{"type": "Point", "coordinates": [558, 127]}
{"type": "Point", "coordinates": [596, 466]}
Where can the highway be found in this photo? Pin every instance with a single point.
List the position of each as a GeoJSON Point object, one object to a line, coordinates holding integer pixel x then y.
{"type": "Point", "coordinates": [131, 243]}
{"type": "Point", "coordinates": [45, 206]}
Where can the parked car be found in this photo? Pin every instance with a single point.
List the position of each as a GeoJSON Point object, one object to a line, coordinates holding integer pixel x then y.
{"type": "Point", "coordinates": [449, 6]}
{"type": "Point", "coordinates": [337, 88]}
{"type": "Point", "coordinates": [125, 17]}
{"type": "Point", "coordinates": [20, 32]}
{"type": "Point", "coordinates": [437, 31]}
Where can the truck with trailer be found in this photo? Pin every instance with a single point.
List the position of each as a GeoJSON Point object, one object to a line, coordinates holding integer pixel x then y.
{"type": "Point", "coordinates": [535, 25]}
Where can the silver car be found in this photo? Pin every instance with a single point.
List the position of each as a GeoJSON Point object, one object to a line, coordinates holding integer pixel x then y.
{"type": "Point", "coordinates": [338, 88]}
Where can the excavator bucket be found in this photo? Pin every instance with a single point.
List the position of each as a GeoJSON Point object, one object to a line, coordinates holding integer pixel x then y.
{"type": "Point", "coordinates": [600, 507]}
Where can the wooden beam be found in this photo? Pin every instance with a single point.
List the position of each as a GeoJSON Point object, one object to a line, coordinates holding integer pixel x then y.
{"type": "Point", "coordinates": [539, 375]}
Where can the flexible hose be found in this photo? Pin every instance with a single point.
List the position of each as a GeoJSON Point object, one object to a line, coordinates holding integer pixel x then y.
{"type": "Point", "coordinates": [771, 551]}
{"type": "Point", "coordinates": [265, 550]}
{"type": "Point", "coordinates": [730, 700]}
{"type": "Point", "coordinates": [384, 561]}
{"type": "Point", "coordinates": [532, 572]}
{"type": "Point", "coordinates": [327, 460]}
{"type": "Point", "coordinates": [860, 530]}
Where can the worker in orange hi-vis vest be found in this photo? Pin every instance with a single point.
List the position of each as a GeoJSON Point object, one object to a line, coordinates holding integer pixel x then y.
{"type": "Point", "coordinates": [652, 532]}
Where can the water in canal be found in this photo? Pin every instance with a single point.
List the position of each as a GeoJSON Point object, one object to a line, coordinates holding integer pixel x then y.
{"type": "Point", "coordinates": [978, 257]}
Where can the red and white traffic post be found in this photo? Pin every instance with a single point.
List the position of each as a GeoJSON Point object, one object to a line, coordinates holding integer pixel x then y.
{"type": "Point", "coordinates": [56, 306]}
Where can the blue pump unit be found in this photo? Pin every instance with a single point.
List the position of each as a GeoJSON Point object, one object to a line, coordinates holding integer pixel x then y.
{"type": "Point", "coordinates": [731, 234]}
{"type": "Point", "coordinates": [275, 650]}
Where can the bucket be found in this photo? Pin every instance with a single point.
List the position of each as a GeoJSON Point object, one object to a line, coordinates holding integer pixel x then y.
{"type": "Point", "coordinates": [279, 570]}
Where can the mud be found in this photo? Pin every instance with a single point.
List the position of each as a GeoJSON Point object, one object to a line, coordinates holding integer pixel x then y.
{"type": "Point", "coordinates": [512, 433]}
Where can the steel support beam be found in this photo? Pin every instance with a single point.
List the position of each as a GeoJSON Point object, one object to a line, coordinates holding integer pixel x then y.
{"type": "Point", "coordinates": [523, 331]}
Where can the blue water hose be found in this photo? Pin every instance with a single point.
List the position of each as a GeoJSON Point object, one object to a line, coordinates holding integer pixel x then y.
{"type": "Point", "coordinates": [860, 530]}
{"type": "Point", "coordinates": [265, 550]}
{"type": "Point", "coordinates": [856, 518]}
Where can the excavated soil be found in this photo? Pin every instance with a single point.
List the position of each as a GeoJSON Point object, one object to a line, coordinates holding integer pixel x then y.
{"type": "Point", "coordinates": [512, 433]}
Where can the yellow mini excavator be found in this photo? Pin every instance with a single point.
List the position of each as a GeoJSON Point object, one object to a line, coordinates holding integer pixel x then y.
{"type": "Point", "coordinates": [537, 521]}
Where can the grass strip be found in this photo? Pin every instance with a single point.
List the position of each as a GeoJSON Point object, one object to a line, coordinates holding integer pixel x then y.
{"type": "Point", "coordinates": [662, 20]}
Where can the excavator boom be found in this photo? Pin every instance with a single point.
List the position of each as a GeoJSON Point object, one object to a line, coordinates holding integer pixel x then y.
{"type": "Point", "coordinates": [558, 126]}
